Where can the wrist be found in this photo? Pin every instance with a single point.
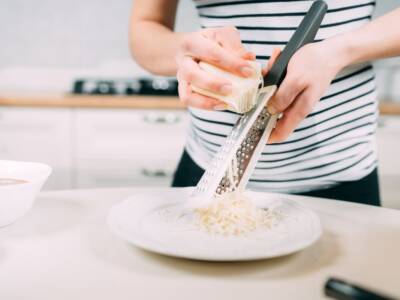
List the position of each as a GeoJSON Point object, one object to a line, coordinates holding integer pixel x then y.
{"type": "Point", "coordinates": [342, 49]}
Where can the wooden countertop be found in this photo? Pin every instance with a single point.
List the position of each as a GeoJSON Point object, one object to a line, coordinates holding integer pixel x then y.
{"type": "Point", "coordinates": [88, 101]}
{"type": "Point", "coordinates": [131, 102]}
{"type": "Point", "coordinates": [389, 108]}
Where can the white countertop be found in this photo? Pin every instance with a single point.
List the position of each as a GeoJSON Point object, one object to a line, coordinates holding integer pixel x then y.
{"type": "Point", "coordinates": [63, 250]}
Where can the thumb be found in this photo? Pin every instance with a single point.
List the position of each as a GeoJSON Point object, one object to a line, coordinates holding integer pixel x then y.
{"type": "Point", "coordinates": [248, 55]}
{"type": "Point", "coordinates": [274, 56]}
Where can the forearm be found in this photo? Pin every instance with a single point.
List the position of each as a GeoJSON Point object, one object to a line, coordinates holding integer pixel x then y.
{"type": "Point", "coordinates": [152, 41]}
{"type": "Point", "coordinates": [154, 46]}
{"type": "Point", "coordinates": [377, 39]}
{"type": "Point", "coordinates": [299, 92]}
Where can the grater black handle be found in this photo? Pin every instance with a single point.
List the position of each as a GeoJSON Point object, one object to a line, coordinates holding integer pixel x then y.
{"type": "Point", "coordinates": [304, 34]}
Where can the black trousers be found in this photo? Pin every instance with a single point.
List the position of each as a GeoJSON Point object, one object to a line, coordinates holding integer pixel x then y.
{"type": "Point", "coordinates": [365, 190]}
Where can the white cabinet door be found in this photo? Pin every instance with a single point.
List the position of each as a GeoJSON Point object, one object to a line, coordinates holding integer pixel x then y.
{"type": "Point", "coordinates": [388, 140]}
{"type": "Point", "coordinates": [127, 147]}
{"type": "Point", "coordinates": [42, 135]}
{"type": "Point", "coordinates": [388, 137]}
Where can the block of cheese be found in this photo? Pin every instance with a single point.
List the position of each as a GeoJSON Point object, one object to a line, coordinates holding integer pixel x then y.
{"type": "Point", "coordinates": [244, 92]}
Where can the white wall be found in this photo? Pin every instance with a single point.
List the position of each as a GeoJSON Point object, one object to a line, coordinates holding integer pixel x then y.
{"type": "Point", "coordinates": [48, 43]}
{"type": "Point", "coordinates": [69, 33]}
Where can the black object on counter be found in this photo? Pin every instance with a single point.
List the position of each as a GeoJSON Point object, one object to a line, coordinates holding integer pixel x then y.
{"type": "Point", "coordinates": [159, 86]}
{"type": "Point", "coordinates": [105, 87]}
{"type": "Point", "coordinates": [341, 290]}
{"type": "Point", "coordinates": [78, 87]}
{"type": "Point", "coordinates": [141, 86]}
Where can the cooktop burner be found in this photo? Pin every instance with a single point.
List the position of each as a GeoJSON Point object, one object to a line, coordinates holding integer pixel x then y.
{"type": "Point", "coordinates": [140, 86]}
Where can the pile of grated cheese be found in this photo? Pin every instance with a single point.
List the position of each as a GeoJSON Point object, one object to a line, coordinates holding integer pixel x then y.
{"type": "Point", "coordinates": [233, 213]}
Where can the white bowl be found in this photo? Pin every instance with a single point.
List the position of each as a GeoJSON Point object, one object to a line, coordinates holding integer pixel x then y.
{"type": "Point", "coordinates": [17, 199]}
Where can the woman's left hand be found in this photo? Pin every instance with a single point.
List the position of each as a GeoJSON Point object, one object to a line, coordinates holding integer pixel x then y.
{"type": "Point", "coordinates": [309, 74]}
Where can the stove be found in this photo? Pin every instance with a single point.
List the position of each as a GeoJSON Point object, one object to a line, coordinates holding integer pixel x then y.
{"type": "Point", "coordinates": [140, 86]}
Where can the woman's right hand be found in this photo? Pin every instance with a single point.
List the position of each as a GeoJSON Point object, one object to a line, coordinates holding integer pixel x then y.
{"type": "Point", "coordinates": [221, 47]}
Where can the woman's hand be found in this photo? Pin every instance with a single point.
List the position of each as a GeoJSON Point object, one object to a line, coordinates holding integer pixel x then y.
{"type": "Point", "coordinates": [221, 47]}
{"type": "Point", "coordinates": [309, 74]}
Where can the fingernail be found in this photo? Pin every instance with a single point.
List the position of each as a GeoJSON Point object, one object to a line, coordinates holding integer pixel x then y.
{"type": "Point", "coordinates": [249, 55]}
{"type": "Point", "coordinates": [226, 89]}
{"type": "Point", "coordinates": [220, 107]}
{"type": "Point", "coordinates": [272, 110]}
{"type": "Point", "coordinates": [246, 71]}
{"type": "Point", "coordinates": [271, 140]}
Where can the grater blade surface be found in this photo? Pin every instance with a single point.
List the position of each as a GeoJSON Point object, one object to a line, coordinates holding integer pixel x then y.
{"type": "Point", "coordinates": [236, 158]}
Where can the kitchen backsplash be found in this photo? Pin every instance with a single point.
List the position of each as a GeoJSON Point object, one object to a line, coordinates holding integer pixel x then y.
{"type": "Point", "coordinates": [49, 44]}
{"type": "Point", "coordinates": [65, 40]}
{"type": "Point", "coordinates": [69, 33]}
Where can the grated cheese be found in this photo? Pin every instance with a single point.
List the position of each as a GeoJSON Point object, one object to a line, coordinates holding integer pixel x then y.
{"type": "Point", "coordinates": [233, 213]}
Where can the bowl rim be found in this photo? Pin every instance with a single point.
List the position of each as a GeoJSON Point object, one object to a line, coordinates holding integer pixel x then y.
{"type": "Point", "coordinates": [48, 170]}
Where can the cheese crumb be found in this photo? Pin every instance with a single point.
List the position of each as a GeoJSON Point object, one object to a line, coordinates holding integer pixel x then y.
{"type": "Point", "coordinates": [233, 213]}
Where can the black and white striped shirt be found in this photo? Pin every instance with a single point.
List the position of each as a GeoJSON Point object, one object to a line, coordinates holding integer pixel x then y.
{"type": "Point", "coordinates": [336, 142]}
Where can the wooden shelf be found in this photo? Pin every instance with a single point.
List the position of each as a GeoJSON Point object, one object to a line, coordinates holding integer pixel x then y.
{"type": "Point", "coordinates": [130, 102]}
{"type": "Point", "coordinates": [88, 101]}
{"type": "Point", "coordinates": [389, 108]}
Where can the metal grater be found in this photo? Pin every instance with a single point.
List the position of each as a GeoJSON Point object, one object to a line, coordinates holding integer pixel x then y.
{"type": "Point", "coordinates": [250, 133]}
{"type": "Point", "coordinates": [245, 142]}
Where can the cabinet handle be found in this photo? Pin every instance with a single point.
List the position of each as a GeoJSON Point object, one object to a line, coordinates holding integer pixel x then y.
{"type": "Point", "coordinates": [162, 119]}
{"type": "Point", "coordinates": [158, 173]}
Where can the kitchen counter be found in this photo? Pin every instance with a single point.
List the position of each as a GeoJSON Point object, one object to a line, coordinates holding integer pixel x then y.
{"type": "Point", "coordinates": [88, 101]}
{"type": "Point", "coordinates": [389, 108]}
{"type": "Point", "coordinates": [138, 102]}
{"type": "Point", "coordinates": [62, 249]}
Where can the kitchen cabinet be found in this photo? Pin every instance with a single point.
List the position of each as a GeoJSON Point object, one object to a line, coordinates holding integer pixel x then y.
{"type": "Point", "coordinates": [96, 147]}
{"type": "Point", "coordinates": [388, 143]}
{"type": "Point", "coordinates": [127, 147]}
{"type": "Point", "coordinates": [89, 147]}
{"type": "Point", "coordinates": [42, 135]}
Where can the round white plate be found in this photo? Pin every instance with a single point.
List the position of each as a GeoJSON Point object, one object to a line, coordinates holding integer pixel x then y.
{"type": "Point", "coordinates": [151, 220]}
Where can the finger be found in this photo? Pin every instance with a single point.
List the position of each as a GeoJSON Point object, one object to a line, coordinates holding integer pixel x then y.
{"type": "Point", "coordinates": [204, 102]}
{"type": "Point", "coordinates": [291, 87]}
{"type": "Point", "coordinates": [292, 117]}
{"type": "Point", "coordinates": [191, 72]}
{"type": "Point", "coordinates": [210, 51]}
{"type": "Point", "coordinates": [274, 56]}
{"type": "Point", "coordinates": [192, 99]}
{"type": "Point", "coordinates": [248, 55]}
{"type": "Point", "coordinates": [229, 38]}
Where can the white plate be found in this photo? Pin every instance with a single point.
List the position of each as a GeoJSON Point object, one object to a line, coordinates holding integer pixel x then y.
{"type": "Point", "coordinates": [149, 221]}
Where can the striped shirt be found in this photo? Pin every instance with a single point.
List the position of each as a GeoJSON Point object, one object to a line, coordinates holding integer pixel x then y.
{"type": "Point", "coordinates": [336, 142]}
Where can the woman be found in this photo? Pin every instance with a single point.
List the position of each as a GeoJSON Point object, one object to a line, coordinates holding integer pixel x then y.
{"type": "Point", "coordinates": [324, 145]}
